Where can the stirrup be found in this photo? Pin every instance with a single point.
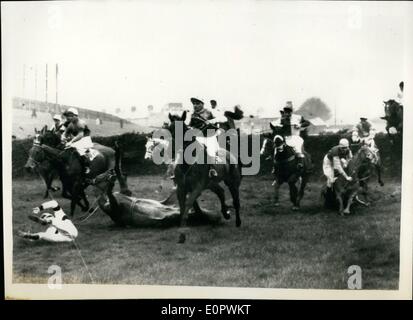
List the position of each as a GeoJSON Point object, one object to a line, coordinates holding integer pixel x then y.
{"type": "Point", "coordinates": [213, 173]}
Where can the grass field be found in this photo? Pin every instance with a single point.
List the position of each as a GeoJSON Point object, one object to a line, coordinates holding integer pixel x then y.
{"type": "Point", "coordinates": [274, 248]}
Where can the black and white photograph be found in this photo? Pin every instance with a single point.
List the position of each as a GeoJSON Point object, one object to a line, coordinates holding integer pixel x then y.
{"type": "Point", "coordinates": [207, 149]}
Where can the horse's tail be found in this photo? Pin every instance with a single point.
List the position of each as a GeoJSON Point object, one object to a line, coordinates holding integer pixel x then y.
{"type": "Point", "coordinates": [238, 114]}
{"type": "Point", "coordinates": [119, 175]}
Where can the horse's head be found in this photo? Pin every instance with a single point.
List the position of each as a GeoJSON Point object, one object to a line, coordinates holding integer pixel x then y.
{"type": "Point", "coordinates": [174, 120]}
{"type": "Point", "coordinates": [36, 154]}
{"type": "Point", "coordinates": [152, 144]}
{"type": "Point", "coordinates": [365, 154]}
{"type": "Point", "coordinates": [279, 143]}
{"type": "Point", "coordinates": [149, 146]}
{"type": "Point", "coordinates": [47, 137]}
{"type": "Point", "coordinates": [392, 109]}
{"type": "Point", "coordinates": [104, 181]}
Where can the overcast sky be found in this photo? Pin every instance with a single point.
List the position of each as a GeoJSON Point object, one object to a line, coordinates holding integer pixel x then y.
{"type": "Point", "coordinates": [254, 53]}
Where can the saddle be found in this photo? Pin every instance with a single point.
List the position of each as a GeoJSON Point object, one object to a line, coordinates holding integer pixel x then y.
{"type": "Point", "coordinates": [92, 153]}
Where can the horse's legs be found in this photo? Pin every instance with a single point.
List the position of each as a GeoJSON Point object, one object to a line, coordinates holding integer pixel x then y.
{"type": "Point", "coordinates": [276, 193]}
{"type": "Point", "coordinates": [304, 181]}
{"type": "Point", "coordinates": [234, 189]}
{"type": "Point", "coordinates": [219, 191]}
{"type": "Point", "coordinates": [197, 208]}
{"type": "Point", "coordinates": [378, 171]}
{"type": "Point", "coordinates": [349, 202]}
{"type": "Point", "coordinates": [185, 206]}
{"type": "Point", "coordinates": [293, 194]}
{"type": "Point", "coordinates": [78, 194]}
{"type": "Point", "coordinates": [48, 185]}
{"type": "Point", "coordinates": [339, 198]}
{"type": "Point", "coordinates": [84, 198]}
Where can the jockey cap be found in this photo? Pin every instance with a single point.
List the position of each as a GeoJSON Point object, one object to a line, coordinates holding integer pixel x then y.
{"type": "Point", "coordinates": [71, 110]}
{"type": "Point", "coordinates": [57, 117]}
{"type": "Point", "coordinates": [196, 101]}
{"type": "Point", "coordinates": [288, 106]}
{"type": "Point", "coordinates": [344, 143]}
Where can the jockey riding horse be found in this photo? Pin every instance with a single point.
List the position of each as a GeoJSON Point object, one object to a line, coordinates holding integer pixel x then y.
{"type": "Point", "coordinates": [77, 135]}
{"type": "Point", "coordinates": [291, 127]}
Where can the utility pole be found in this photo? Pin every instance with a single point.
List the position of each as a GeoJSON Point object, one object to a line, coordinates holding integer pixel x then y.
{"type": "Point", "coordinates": [24, 79]}
{"type": "Point", "coordinates": [46, 82]}
{"type": "Point", "coordinates": [35, 82]}
{"type": "Point", "coordinates": [57, 72]}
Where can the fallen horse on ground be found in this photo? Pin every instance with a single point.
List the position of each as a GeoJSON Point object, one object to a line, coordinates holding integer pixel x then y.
{"type": "Point", "coordinates": [125, 210]}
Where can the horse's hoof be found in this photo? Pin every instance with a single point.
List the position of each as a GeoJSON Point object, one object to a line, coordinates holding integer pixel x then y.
{"type": "Point", "coordinates": [226, 215]}
{"type": "Point", "coordinates": [381, 183]}
{"type": "Point", "coordinates": [182, 238]}
{"type": "Point", "coordinates": [238, 223]}
{"type": "Point", "coordinates": [277, 204]}
{"type": "Point", "coordinates": [295, 208]}
{"type": "Point", "coordinates": [341, 213]}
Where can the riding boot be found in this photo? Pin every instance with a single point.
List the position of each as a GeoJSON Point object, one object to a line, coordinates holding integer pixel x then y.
{"type": "Point", "coordinates": [300, 161]}
{"type": "Point", "coordinates": [212, 170]}
{"type": "Point", "coordinates": [274, 169]}
{"type": "Point", "coordinates": [86, 164]}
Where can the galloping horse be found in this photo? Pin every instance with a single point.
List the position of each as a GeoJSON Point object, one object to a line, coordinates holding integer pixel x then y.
{"type": "Point", "coordinates": [394, 117]}
{"type": "Point", "coordinates": [45, 169]}
{"type": "Point", "coordinates": [70, 165]}
{"type": "Point", "coordinates": [359, 169]}
{"type": "Point", "coordinates": [192, 179]}
{"type": "Point", "coordinates": [285, 163]}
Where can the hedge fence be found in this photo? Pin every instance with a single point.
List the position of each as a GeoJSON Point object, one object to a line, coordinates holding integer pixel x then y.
{"type": "Point", "coordinates": [133, 148]}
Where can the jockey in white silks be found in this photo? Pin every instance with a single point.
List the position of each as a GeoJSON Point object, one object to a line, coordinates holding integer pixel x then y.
{"type": "Point", "coordinates": [337, 159]}
{"type": "Point", "coordinates": [60, 227]}
{"type": "Point", "coordinates": [77, 135]}
{"type": "Point", "coordinates": [364, 132]}
{"type": "Point", "coordinates": [292, 124]}
{"type": "Point", "coordinates": [200, 119]}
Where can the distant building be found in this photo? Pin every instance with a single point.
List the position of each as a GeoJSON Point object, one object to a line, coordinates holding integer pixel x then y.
{"type": "Point", "coordinates": [250, 125]}
{"type": "Point", "coordinates": [317, 126]}
{"type": "Point", "coordinates": [173, 107]}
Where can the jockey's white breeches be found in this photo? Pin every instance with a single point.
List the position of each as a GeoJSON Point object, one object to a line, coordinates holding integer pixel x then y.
{"type": "Point", "coordinates": [328, 171]}
{"type": "Point", "coordinates": [211, 144]}
{"type": "Point", "coordinates": [54, 235]}
{"type": "Point", "coordinates": [296, 142]}
{"type": "Point", "coordinates": [83, 145]}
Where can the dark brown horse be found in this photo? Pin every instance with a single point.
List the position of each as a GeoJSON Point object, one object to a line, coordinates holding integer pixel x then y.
{"type": "Point", "coordinates": [345, 191]}
{"type": "Point", "coordinates": [394, 117]}
{"type": "Point", "coordinates": [69, 163]}
{"type": "Point", "coordinates": [286, 169]}
{"type": "Point", "coordinates": [375, 167]}
{"type": "Point", "coordinates": [45, 169]}
{"type": "Point", "coordinates": [192, 179]}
